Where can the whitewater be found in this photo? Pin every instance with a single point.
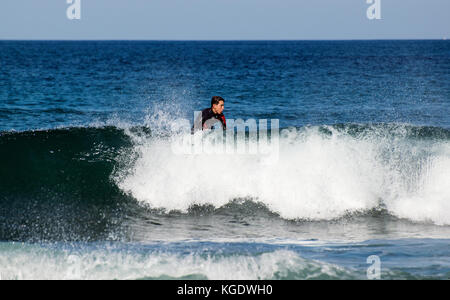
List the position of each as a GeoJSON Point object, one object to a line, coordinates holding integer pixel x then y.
{"type": "Point", "coordinates": [321, 173]}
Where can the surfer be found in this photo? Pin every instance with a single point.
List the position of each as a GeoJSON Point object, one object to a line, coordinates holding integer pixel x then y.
{"type": "Point", "coordinates": [210, 116]}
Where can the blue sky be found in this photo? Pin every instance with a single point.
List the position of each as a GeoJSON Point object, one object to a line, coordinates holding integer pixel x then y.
{"type": "Point", "coordinates": [224, 20]}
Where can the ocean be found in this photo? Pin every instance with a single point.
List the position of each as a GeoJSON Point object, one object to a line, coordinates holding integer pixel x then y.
{"type": "Point", "coordinates": [92, 187]}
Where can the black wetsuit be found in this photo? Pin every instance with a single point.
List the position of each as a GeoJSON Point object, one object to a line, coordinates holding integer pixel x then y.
{"type": "Point", "coordinates": [208, 118]}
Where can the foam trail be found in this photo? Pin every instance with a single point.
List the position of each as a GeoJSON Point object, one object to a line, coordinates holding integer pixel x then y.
{"type": "Point", "coordinates": [29, 262]}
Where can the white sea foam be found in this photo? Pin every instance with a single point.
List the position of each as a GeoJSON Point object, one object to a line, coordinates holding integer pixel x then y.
{"type": "Point", "coordinates": [316, 176]}
{"type": "Point", "coordinates": [429, 200]}
{"type": "Point", "coordinates": [29, 262]}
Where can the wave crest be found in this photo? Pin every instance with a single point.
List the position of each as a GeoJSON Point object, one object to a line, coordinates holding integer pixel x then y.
{"type": "Point", "coordinates": [323, 172]}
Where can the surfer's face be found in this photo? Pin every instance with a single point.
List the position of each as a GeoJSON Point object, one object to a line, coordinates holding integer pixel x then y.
{"type": "Point", "coordinates": [218, 108]}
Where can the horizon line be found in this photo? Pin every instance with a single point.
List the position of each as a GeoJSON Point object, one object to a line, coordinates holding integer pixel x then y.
{"type": "Point", "coordinates": [230, 40]}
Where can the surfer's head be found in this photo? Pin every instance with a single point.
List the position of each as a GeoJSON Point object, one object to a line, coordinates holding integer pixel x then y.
{"type": "Point", "coordinates": [217, 104]}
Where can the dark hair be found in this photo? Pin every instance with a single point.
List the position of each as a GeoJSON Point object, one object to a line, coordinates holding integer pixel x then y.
{"type": "Point", "coordinates": [216, 100]}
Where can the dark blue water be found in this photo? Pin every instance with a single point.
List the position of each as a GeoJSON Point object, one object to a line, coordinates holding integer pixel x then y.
{"type": "Point", "coordinates": [51, 84]}
{"type": "Point", "coordinates": [91, 188]}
